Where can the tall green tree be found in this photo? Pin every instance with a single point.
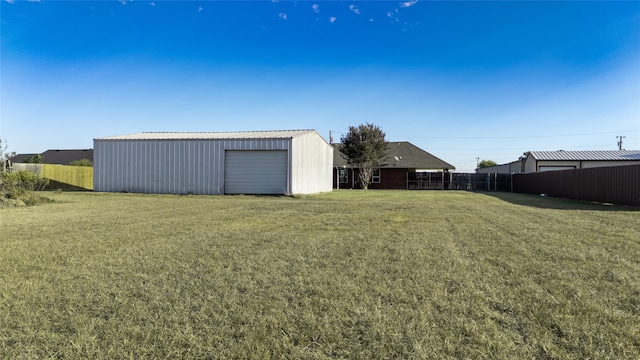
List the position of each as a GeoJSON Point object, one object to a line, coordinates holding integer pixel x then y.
{"type": "Point", "coordinates": [486, 163]}
{"type": "Point", "coordinates": [364, 147]}
{"type": "Point", "coordinates": [35, 159]}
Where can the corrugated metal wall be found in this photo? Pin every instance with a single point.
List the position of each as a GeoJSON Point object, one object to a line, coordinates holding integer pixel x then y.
{"type": "Point", "coordinates": [514, 167]}
{"type": "Point", "coordinates": [168, 166]}
{"type": "Point", "coordinates": [617, 185]}
{"type": "Point", "coordinates": [312, 165]}
{"type": "Point", "coordinates": [543, 165]}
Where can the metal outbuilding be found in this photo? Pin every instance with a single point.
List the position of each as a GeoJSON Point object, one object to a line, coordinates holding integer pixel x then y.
{"type": "Point", "coordinates": [251, 162]}
{"type": "Point", "coordinates": [540, 161]}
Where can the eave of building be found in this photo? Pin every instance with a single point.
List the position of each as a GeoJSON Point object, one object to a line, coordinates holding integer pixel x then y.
{"type": "Point", "coordinates": [237, 135]}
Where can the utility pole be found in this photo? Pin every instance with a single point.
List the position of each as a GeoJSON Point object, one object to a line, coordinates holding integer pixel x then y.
{"type": "Point", "coordinates": [330, 137]}
{"type": "Point", "coordinates": [620, 142]}
{"type": "Point", "coordinates": [477, 163]}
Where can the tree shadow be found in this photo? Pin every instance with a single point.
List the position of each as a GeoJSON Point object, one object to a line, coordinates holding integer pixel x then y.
{"type": "Point", "coordinates": [549, 202]}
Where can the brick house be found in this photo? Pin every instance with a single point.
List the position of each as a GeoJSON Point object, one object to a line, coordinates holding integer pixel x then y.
{"type": "Point", "coordinates": [404, 160]}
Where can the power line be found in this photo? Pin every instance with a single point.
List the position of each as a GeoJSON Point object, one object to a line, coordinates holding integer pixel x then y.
{"type": "Point", "coordinates": [507, 137]}
{"type": "Point", "coordinates": [465, 149]}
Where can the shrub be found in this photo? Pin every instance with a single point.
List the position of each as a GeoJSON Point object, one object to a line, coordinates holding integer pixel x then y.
{"type": "Point", "coordinates": [20, 184]}
{"type": "Point", "coordinates": [81, 162]}
{"type": "Point", "coordinates": [35, 159]}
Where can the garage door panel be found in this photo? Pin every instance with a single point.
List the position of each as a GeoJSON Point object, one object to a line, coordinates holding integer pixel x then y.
{"type": "Point", "coordinates": [255, 172]}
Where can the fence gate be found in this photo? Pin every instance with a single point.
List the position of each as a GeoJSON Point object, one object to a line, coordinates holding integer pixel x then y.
{"type": "Point", "coordinates": [428, 181]}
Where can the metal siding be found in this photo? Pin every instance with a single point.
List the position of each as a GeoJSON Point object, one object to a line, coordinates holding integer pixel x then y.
{"type": "Point", "coordinates": [160, 186]}
{"type": "Point", "coordinates": [131, 166]}
{"type": "Point", "coordinates": [128, 166]}
{"type": "Point", "coordinates": [183, 162]}
{"type": "Point", "coordinates": [136, 166]}
{"type": "Point", "coordinates": [311, 164]}
{"type": "Point", "coordinates": [179, 165]}
{"type": "Point", "coordinates": [617, 185]}
{"type": "Point", "coordinates": [546, 166]}
{"type": "Point", "coordinates": [110, 173]}
{"type": "Point", "coordinates": [111, 153]}
{"type": "Point", "coordinates": [592, 164]}
{"type": "Point", "coordinates": [107, 177]}
{"type": "Point", "coordinates": [110, 169]}
{"type": "Point", "coordinates": [195, 174]}
{"type": "Point", "coordinates": [96, 166]}
{"type": "Point", "coordinates": [96, 174]}
{"type": "Point", "coordinates": [155, 166]}
{"type": "Point", "coordinates": [191, 180]}
{"type": "Point", "coordinates": [530, 165]}
{"type": "Point", "coordinates": [118, 169]}
{"type": "Point", "coordinates": [501, 169]}
{"type": "Point", "coordinates": [122, 171]}
{"type": "Point", "coordinates": [197, 166]}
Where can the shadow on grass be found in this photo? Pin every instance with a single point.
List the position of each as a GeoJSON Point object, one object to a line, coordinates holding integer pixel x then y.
{"type": "Point", "coordinates": [549, 202]}
{"type": "Point", "coordinates": [56, 185]}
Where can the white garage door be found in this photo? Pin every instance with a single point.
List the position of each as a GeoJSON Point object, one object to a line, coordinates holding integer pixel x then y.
{"type": "Point", "coordinates": [255, 172]}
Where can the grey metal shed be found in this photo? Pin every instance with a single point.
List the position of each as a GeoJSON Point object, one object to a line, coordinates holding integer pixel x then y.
{"type": "Point", "coordinates": [253, 162]}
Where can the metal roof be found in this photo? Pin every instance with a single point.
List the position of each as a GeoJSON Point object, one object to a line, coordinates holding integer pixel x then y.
{"type": "Point", "coordinates": [275, 134]}
{"type": "Point", "coordinates": [401, 154]}
{"type": "Point", "coordinates": [596, 155]}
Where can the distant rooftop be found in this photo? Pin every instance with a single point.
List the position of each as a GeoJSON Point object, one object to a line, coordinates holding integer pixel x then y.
{"type": "Point", "coordinates": [401, 154]}
{"type": "Point", "coordinates": [272, 134]}
{"type": "Point", "coordinates": [596, 155]}
{"type": "Point", "coordinates": [62, 157]}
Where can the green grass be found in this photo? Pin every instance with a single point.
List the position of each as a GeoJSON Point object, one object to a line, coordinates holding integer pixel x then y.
{"type": "Point", "coordinates": [350, 274]}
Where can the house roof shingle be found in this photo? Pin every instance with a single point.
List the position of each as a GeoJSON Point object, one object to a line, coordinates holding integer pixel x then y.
{"type": "Point", "coordinates": [402, 154]}
{"type": "Point", "coordinates": [596, 155]}
{"type": "Point", "coordinates": [18, 158]}
{"type": "Point", "coordinates": [62, 157]}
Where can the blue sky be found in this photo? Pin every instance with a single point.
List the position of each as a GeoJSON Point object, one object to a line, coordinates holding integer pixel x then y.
{"type": "Point", "coordinates": [460, 79]}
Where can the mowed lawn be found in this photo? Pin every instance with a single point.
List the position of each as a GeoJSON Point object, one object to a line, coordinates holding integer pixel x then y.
{"type": "Point", "coordinates": [348, 274]}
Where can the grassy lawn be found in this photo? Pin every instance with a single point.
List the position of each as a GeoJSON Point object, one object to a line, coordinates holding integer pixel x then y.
{"type": "Point", "coordinates": [350, 274]}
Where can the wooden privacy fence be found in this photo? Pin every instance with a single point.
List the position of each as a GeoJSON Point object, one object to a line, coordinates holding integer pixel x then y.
{"type": "Point", "coordinates": [617, 185]}
{"type": "Point", "coordinates": [34, 168]}
{"type": "Point", "coordinates": [61, 176]}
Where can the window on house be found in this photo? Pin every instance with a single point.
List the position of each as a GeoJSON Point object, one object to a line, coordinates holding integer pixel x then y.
{"type": "Point", "coordinates": [342, 174]}
{"type": "Point", "coordinates": [375, 178]}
